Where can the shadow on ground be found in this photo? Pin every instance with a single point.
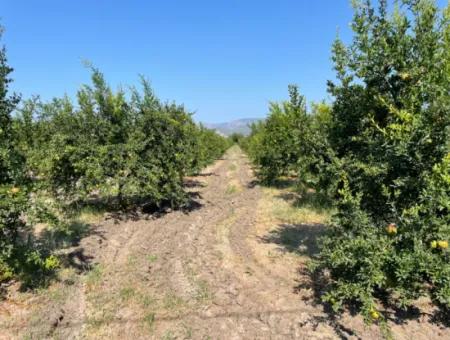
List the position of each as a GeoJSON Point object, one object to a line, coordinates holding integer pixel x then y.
{"type": "Point", "coordinates": [296, 238]}
{"type": "Point", "coordinates": [135, 208]}
{"type": "Point", "coordinates": [280, 183]}
{"type": "Point", "coordinates": [308, 199]}
{"type": "Point", "coordinates": [193, 183]}
{"type": "Point", "coordinates": [207, 174]}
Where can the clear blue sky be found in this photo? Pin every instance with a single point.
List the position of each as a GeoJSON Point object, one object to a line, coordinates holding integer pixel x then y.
{"type": "Point", "coordinates": [224, 59]}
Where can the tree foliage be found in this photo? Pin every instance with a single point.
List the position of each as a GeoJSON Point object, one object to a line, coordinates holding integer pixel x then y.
{"type": "Point", "coordinates": [274, 144]}
{"type": "Point", "coordinates": [17, 254]}
{"type": "Point", "coordinates": [128, 150]}
{"type": "Point", "coordinates": [389, 130]}
{"type": "Point", "coordinates": [131, 151]}
{"type": "Point", "coordinates": [381, 152]}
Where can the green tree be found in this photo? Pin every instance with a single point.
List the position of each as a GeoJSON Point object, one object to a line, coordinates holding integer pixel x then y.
{"type": "Point", "coordinates": [274, 145]}
{"type": "Point", "coordinates": [389, 133]}
{"type": "Point", "coordinates": [9, 159]}
{"type": "Point", "coordinates": [127, 152]}
{"type": "Point", "coordinates": [11, 201]}
{"type": "Point", "coordinates": [18, 255]}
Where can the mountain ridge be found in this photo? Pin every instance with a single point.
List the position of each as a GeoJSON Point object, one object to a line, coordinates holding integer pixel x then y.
{"type": "Point", "coordinates": [241, 126]}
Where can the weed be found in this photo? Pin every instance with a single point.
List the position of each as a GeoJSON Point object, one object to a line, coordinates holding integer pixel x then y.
{"type": "Point", "coordinates": [68, 276]}
{"type": "Point", "coordinates": [272, 256]}
{"type": "Point", "coordinates": [149, 319]}
{"type": "Point", "coordinates": [94, 276]}
{"type": "Point", "coordinates": [203, 293]}
{"type": "Point", "coordinates": [127, 293]}
{"type": "Point", "coordinates": [168, 336]}
{"type": "Point", "coordinates": [188, 331]}
{"type": "Point", "coordinates": [231, 189]}
{"type": "Point", "coordinates": [172, 301]}
{"type": "Point", "coordinates": [147, 301]}
{"type": "Point", "coordinates": [57, 294]}
{"type": "Point", "coordinates": [97, 322]}
{"type": "Point", "coordinates": [132, 260]}
{"type": "Point", "coordinates": [152, 258]}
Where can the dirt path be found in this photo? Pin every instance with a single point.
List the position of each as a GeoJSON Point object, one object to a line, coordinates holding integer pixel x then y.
{"type": "Point", "coordinates": [216, 272]}
{"type": "Point", "coordinates": [201, 271]}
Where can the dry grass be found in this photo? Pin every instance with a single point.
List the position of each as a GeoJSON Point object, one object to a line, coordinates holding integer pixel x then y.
{"type": "Point", "coordinates": [233, 187]}
{"type": "Point", "coordinates": [91, 216]}
{"type": "Point", "coordinates": [289, 225]}
{"type": "Point", "coordinates": [285, 206]}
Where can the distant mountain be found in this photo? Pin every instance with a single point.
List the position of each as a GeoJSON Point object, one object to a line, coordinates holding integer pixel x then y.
{"type": "Point", "coordinates": [236, 126]}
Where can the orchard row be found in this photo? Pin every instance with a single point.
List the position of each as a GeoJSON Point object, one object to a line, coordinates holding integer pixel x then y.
{"type": "Point", "coordinates": [380, 153]}
{"type": "Point", "coordinates": [119, 150]}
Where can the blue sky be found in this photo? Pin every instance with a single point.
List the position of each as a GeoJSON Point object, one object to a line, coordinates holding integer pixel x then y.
{"type": "Point", "coordinates": [224, 59]}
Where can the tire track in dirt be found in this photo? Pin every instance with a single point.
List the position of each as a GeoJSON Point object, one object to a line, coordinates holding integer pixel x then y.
{"type": "Point", "coordinates": [209, 246]}
{"type": "Point", "coordinates": [242, 305]}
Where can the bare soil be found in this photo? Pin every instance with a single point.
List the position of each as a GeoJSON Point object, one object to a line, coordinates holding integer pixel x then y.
{"type": "Point", "coordinates": [229, 268]}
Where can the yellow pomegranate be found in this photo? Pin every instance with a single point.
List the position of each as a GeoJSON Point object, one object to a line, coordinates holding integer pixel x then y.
{"type": "Point", "coordinates": [391, 229]}
{"type": "Point", "coordinates": [374, 314]}
{"type": "Point", "coordinates": [15, 190]}
{"type": "Point", "coordinates": [405, 76]}
{"type": "Point", "coordinates": [442, 244]}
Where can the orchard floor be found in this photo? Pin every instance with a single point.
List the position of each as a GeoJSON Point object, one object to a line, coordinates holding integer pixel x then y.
{"type": "Point", "coordinates": [230, 268]}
